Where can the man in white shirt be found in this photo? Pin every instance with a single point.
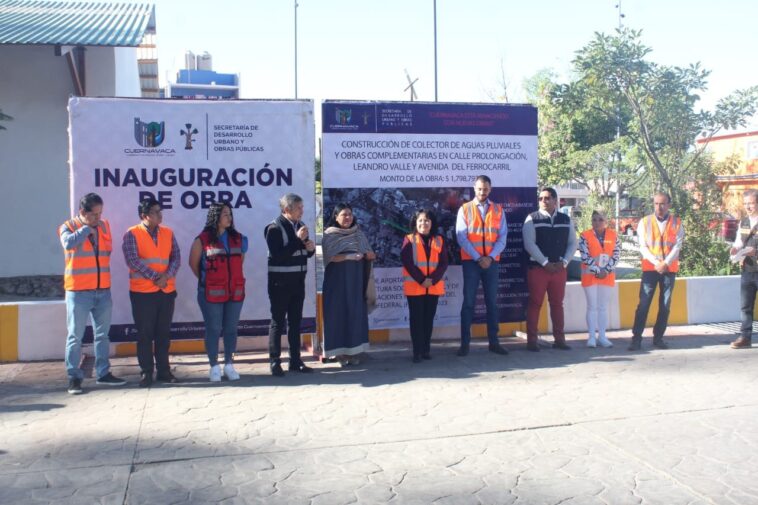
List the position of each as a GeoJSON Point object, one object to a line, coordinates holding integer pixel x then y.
{"type": "Point", "coordinates": [746, 244]}
{"type": "Point", "coordinates": [660, 238]}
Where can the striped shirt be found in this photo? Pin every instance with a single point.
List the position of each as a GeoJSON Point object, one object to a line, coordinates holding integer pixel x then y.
{"type": "Point", "coordinates": [134, 262]}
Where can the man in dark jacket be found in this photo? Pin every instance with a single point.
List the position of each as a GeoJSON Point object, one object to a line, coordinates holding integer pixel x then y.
{"type": "Point", "coordinates": [744, 251]}
{"type": "Point", "coordinates": [288, 251]}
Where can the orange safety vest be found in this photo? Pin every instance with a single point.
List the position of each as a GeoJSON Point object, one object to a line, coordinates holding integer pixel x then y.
{"type": "Point", "coordinates": [426, 265]}
{"type": "Point", "coordinates": [595, 249]}
{"type": "Point", "coordinates": [660, 245]}
{"type": "Point", "coordinates": [482, 233]}
{"type": "Point", "coordinates": [85, 269]}
{"type": "Point", "coordinates": [155, 256]}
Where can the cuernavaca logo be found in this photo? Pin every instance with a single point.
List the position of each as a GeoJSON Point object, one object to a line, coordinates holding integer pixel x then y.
{"type": "Point", "coordinates": [343, 116]}
{"type": "Point", "coordinates": [187, 134]}
{"type": "Point", "coordinates": [150, 136]}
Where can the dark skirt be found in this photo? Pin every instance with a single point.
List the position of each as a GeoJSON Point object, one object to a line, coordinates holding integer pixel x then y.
{"type": "Point", "coordinates": [345, 314]}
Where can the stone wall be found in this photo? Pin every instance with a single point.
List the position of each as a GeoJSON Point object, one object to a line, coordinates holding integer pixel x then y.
{"type": "Point", "coordinates": [32, 286]}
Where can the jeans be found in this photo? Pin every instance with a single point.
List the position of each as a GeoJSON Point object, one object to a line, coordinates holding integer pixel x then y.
{"type": "Point", "coordinates": [598, 296]}
{"type": "Point", "coordinates": [748, 287]}
{"type": "Point", "coordinates": [287, 295]}
{"type": "Point", "coordinates": [650, 280]}
{"type": "Point", "coordinates": [80, 305]}
{"type": "Point", "coordinates": [221, 319]}
{"type": "Point", "coordinates": [152, 314]}
{"type": "Point", "coordinates": [472, 274]}
{"type": "Point", "coordinates": [540, 281]}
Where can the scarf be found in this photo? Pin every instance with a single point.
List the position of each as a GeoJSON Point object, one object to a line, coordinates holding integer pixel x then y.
{"type": "Point", "coordinates": [343, 240]}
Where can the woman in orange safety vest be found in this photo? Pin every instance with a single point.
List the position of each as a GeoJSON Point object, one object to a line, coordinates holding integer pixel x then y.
{"type": "Point", "coordinates": [599, 247]}
{"type": "Point", "coordinates": [216, 259]}
{"type": "Point", "coordinates": [424, 260]}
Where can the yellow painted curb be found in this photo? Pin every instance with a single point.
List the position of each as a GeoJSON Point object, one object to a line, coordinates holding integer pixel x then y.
{"type": "Point", "coordinates": [629, 298]}
{"type": "Point", "coordinates": [9, 333]}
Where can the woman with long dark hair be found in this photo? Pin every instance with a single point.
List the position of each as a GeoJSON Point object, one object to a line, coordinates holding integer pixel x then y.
{"type": "Point", "coordinates": [347, 267]}
{"type": "Point", "coordinates": [216, 259]}
{"type": "Point", "coordinates": [424, 259]}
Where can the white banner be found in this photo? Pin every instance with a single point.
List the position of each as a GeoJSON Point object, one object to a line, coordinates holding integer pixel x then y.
{"type": "Point", "coordinates": [368, 160]}
{"type": "Point", "coordinates": [188, 154]}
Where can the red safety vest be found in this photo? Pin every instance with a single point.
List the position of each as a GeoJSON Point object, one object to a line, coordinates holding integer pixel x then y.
{"type": "Point", "coordinates": [482, 233]}
{"type": "Point", "coordinates": [155, 256]}
{"type": "Point", "coordinates": [224, 278]}
{"type": "Point", "coordinates": [660, 244]}
{"type": "Point", "coordinates": [426, 265]}
{"type": "Point", "coordinates": [595, 249]}
{"type": "Point", "coordinates": [85, 269]}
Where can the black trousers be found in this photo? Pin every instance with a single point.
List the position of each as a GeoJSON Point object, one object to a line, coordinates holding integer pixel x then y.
{"type": "Point", "coordinates": [748, 288]}
{"type": "Point", "coordinates": [286, 296]}
{"type": "Point", "coordinates": [152, 314]}
{"type": "Point", "coordinates": [421, 311]}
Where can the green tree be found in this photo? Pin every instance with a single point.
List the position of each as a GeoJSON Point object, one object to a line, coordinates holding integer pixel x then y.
{"type": "Point", "coordinates": [626, 119]}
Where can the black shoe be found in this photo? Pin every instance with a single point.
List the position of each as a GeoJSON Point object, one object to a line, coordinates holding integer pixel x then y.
{"type": "Point", "coordinates": [462, 351]}
{"type": "Point", "coordinates": [635, 345]}
{"type": "Point", "coordinates": [535, 347]}
{"type": "Point", "coordinates": [563, 346]}
{"type": "Point", "coordinates": [167, 377]}
{"type": "Point", "coordinates": [498, 349]}
{"type": "Point", "coordinates": [110, 380]}
{"type": "Point", "coordinates": [276, 370]}
{"type": "Point", "coordinates": [426, 356]}
{"type": "Point", "coordinates": [75, 386]}
{"type": "Point", "coordinates": [300, 367]}
{"type": "Point", "coordinates": [417, 359]}
{"type": "Point", "coordinates": [146, 381]}
{"type": "Point", "coordinates": [660, 344]}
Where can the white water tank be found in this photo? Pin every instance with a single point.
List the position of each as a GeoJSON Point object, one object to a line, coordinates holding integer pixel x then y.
{"type": "Point", "coordinates": [189, 60]}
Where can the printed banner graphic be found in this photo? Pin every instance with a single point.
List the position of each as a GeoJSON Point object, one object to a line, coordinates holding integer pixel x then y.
{"type": "Point", "coordinates": [188, 154]}
{"type": "Point", "coordinates": [389, 159]}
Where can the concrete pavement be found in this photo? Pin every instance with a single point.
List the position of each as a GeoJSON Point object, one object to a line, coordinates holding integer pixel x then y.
{"type": "Point", "coordinates": [587, 426]}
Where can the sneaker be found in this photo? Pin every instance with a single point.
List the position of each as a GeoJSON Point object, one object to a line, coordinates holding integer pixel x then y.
{"type": "Point", "coordinates": [660, 344]}
{"type": "Point", "coordinates": [533, 347]}
{"type": "Point", "coordinates": [462, 350]}
{"type": "Point", "coordinates": [563, 346]}
{"type": "Point", "coordinates": [74, 386]}
{"type": "Point", "coordinates": [604, 342]}
{"type": "Point", "coordinates": [635, 345]}
{"type": "Point", "coordinates": [215, 374]}
{"type": "Point", "coordinates": [231, 373]}
{"type": "Point", "coordinates": [110, 380]}
{"type": "Point", "coordinates": [591, 342]}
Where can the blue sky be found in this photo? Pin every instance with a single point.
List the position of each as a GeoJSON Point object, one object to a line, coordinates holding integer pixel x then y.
{"type": "Point", "coordinates": [358, 49]}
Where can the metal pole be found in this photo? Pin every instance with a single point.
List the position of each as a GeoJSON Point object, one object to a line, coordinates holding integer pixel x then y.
{"type": "Point", "coordinates": [295, 49]}
{"type": "Point", "coordinates": [618, 136]}
{"type": "Point", "coordinates": [435, 50]}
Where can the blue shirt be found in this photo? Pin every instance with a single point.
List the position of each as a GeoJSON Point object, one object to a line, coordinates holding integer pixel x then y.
{"type": "Point", "coordinates": [461, 233]}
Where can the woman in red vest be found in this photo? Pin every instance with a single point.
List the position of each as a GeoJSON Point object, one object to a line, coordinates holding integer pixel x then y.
{"type": "Point", "coordinates": [424, 259]}
{"type": "Point", "coordinates": [216, 259]}
{"type": "Point", "coordinates": [599, 247]}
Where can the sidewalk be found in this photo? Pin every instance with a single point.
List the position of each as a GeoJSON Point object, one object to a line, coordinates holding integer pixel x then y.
{"type": "Point", "coordinates": [588, 426]}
